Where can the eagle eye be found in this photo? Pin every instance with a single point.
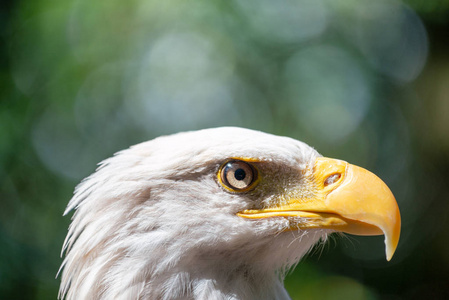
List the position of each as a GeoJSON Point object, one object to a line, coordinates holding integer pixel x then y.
{"type": "Point", "coordinates": [237, 175]}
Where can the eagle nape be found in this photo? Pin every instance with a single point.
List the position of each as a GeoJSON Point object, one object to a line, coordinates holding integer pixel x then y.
{"type": "Point", "coordinates": [210, 214]}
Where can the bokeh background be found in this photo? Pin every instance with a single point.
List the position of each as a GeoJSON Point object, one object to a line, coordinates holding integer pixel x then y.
{"type": "Point", "coordinates": [360, 80]}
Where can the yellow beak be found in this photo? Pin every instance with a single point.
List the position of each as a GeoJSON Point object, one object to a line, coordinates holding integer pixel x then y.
{"type": "Point", "coordinates": [346, 198]}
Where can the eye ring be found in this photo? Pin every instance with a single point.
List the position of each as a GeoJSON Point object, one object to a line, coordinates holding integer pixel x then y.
{"type": "Point", "coordinates": [237, 176]}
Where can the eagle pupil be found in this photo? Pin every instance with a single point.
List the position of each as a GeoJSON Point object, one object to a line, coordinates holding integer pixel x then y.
{"type": "Point", "coordinates": [239, 174]}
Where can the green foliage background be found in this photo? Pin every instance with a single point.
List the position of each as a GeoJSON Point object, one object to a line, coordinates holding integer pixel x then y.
{"type": "Point", "coordinates": [364, 81]}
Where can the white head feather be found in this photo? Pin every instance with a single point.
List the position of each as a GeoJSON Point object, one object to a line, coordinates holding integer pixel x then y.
{"type": "Point", "coordinates": [153, 222]}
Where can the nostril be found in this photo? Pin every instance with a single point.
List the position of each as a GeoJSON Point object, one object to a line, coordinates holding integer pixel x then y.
{"type": "Point", "coordinates": [331, 179]}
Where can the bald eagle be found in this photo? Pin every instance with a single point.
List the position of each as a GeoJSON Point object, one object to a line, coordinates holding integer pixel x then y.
{"type": "Point", "coordinates": [213, 214]}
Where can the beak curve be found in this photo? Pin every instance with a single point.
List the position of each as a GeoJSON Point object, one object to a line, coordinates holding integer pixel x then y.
{"type": "Point", "coordinates": [346, 198]}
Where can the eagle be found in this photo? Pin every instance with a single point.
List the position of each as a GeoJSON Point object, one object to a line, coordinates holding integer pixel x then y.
{"type": "Point", "coordinates": [219, 213]}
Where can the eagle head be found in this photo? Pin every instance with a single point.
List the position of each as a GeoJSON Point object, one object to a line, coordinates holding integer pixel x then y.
{"type": "Point", "coordinates": [213, 214]}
